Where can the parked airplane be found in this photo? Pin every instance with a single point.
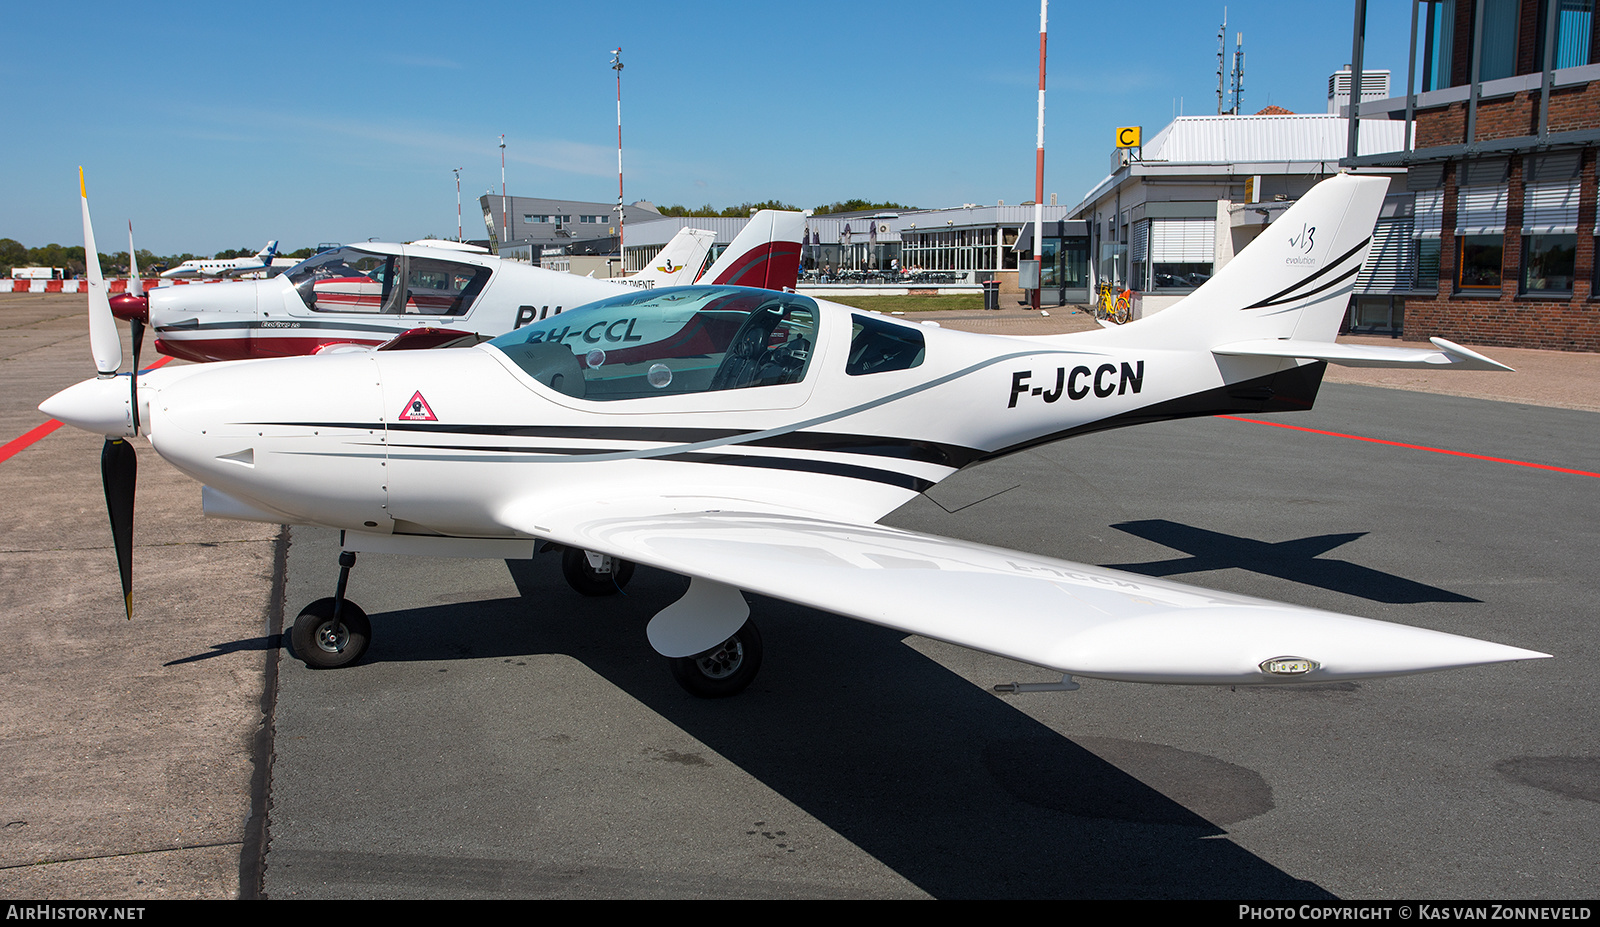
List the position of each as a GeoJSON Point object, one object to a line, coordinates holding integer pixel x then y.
{"type": "Point", "coordinates": [751, 439]}
{"type": "Point", "coordinates": [359, 296]}
{"type": "Point", "coordinates": [264, 261]}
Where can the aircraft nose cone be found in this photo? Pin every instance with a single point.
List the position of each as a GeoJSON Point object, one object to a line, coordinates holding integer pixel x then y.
{"type": "Point", "coordinates": [128, 307]}
{"type": "Point", "coordinates": [101, 406]}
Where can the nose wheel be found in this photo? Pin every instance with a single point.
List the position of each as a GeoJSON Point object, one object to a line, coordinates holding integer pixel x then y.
{"type": "Point", "coordinates": [323, 643]}
{"type": "Point", "coordinates": [725, 669]}
{"type": "Point", "coordinates": [332, 632]}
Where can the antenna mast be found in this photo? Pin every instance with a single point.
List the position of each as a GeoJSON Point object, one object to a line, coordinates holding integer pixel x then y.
{"type": "Point", "coordinates": [1222, 52]}
{"type": "Point", "coordinates": [457, 171]}
{"type": "Point", "coordinates": [1238, 73]}
{"type": "Point", "coordinates": [616, 65]}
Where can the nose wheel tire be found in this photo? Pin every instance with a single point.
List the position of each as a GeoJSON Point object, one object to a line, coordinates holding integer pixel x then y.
{"type": "Point", "coordinates": [583, 577]}
{"type": "Point", "coordinates": [320, 646]}
{"type": "Point", "coordinates": [725, 669]}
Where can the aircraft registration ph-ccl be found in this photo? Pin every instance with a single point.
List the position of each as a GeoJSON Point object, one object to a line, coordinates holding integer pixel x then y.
{"type": "Point", "coordinates": [751, 439]}
{"type": "Point", "coordinates": [357, 297]}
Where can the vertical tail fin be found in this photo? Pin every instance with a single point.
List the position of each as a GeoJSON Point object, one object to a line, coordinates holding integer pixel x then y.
{"type": "Point", "coordinates": [678, 262]}
{"type": "Point", "coordinates": [765, 254]}
{"type": "Point", "coordinates": [265, 255]}
{"type": "Point", "coordinates": [1292, 282]}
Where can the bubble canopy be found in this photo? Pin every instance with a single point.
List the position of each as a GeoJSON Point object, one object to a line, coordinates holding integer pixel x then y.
{"type": "Point", "coordinates": [669, 342]}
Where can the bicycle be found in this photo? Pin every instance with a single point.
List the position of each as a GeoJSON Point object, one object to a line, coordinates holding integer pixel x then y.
{"type": "Point", "coordinates": [1114, 307]}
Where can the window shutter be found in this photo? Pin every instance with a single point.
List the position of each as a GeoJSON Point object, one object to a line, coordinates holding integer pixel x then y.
{"type": "Point", "coordinates": [1429, 214]}
{"type": "Point", "coordinates": [1482, 210]}
{"type": "Point", "coordinates": [1390, 260]}
{"type": "Point", "coordinates": [1550, 209]}
{"type": "Point", "coordinates": [1183, 241]}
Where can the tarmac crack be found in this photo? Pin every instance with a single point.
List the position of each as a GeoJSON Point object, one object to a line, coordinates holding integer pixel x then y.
{"type": "Point", "coordinates": [82, 859]}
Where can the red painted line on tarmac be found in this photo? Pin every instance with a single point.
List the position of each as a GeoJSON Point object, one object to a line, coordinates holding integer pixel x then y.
{"type": "Point", "coordinates": [1415, 447]}
{"type": "Point", "coordinates": [22, 442]}
{"type": "Point", "coordinates": [10, 448]}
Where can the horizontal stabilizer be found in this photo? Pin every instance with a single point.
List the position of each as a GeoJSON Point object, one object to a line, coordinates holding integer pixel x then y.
{"type": "Point", "coordinates": [1364, 355]}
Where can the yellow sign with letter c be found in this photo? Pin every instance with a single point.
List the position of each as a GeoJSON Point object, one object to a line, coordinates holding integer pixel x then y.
{"type": "Point", "coordinates": [1128, 136]}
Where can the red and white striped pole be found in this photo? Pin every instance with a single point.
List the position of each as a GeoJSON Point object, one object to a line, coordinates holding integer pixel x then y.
{"type": "Point", "coordinates": [1038, 160]}
{"type": "Point", "coordinates": [616, 65]}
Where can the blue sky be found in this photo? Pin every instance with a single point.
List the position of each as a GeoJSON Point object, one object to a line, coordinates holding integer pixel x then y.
{"type": "Point", "coordinates": [216, 126]}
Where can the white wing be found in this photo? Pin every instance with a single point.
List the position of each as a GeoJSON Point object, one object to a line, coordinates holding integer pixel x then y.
{"type": "Point", "coordinates": [1076, 619]}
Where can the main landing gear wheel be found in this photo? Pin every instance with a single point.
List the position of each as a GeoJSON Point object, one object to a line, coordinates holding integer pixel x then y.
{"type": "Point", "coordinates": [319, 646]}
{"type": "Point", "coordinates": [725, 669]}
{"type": "Point", "coordinates": [582, 576]}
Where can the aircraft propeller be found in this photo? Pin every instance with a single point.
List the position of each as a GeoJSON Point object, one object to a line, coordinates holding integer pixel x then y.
{"type": "Point", "coordinates": [118, 464]}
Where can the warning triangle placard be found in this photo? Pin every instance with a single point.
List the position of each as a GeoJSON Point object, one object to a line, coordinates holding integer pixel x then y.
{"type": "Point", "coordinates": [417, 410]}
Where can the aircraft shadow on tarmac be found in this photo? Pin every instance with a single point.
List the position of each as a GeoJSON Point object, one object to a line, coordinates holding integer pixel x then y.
{"type": "Point", "coordinates": [946, 784]}
{"type": "Point", "coordinates": [1299, 560]}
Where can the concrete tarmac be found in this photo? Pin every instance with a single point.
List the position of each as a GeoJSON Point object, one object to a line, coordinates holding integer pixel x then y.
{"type": "Point", "coordinates": [128, 748]}
{"type": "Point", "coordinates": [509, 738]}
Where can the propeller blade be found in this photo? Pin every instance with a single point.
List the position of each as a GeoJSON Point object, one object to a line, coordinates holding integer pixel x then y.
{"type": "Point", "coordinates": [104, 341]}
{"type": "Point", "coordinates": [119, 471]}
{"type": "Point", "coordinates": [136, 327]}
{"type": "Point", "coordinates": [135, 285]}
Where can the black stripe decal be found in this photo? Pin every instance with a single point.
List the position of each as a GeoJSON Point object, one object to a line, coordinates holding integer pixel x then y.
{"type": "Point", "coordinates": [1292, 390]}
{"type": "Point", "coordinates": [1276, 297]}
{"type": "Point", "coordinates": [947, 455]}
{"type": "Point", "coordinates": [1309, 293]}
{"type": "Point", "coordinates": [828, 468]}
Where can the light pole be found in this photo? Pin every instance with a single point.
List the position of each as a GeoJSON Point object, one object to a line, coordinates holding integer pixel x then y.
{"type": "Point", "coordinates": [1038, 167]}
{"type": "Point", "coordinates": [505, 213]}
{"type": "Point", "coordinates": [616, 65]}
{"type": "Point", "coordinates": [457, 171]}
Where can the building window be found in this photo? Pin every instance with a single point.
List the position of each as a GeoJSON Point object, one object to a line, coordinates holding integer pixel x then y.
{"type": "Point", "coordinates": [1574, 22]}
{"type": "Point", "coordinates": [1427, 263]}
{"type": "Point", "coordinates": [1548, 263]}
{"type": "Point", "coordinates": [1439, 43]}
{"type": "Point", "coordinates": [1480, 261]}
{"type": "Point", "coordinates": [1499, 52]}
{"type": "Point", "coordinates": [1181, 253]}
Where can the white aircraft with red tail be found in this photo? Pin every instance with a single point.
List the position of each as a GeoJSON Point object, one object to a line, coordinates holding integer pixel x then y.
{"type": "Point", "coordinates": [356, 297]}
{"type": "Point", "coordinates": [751, 439]}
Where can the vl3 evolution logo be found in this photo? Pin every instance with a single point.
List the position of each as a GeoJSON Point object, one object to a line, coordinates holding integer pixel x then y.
{"type": "Point", "coordinates": [1303, 243]}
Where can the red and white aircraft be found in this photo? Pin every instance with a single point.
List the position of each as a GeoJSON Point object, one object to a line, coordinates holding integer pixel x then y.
{"type": "Point", "coordinates": [359, 296]}
{"type": "Point", "coordinates": [751, 440]}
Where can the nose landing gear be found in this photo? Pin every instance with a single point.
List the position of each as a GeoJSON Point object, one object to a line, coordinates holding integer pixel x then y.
{"type": "Point", "coordinates": [332, 632]}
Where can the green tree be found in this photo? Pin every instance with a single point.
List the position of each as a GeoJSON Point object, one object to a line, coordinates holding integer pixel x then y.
{"type": "Point", "coordinates": [856, 206]}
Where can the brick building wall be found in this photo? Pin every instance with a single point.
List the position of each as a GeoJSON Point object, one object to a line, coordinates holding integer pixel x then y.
{"type": "Point", "coordinates": [1507, 317]}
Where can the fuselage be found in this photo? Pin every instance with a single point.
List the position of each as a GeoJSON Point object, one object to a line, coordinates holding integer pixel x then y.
{"type": "Point", "coordinates": [359, 298]}
{"type": "Point", "coordinates": [833, 411]}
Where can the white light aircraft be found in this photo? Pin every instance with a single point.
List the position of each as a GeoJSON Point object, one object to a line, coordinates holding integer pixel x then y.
{"type": "Point", "coordinates": [751, 440]}
{"type": "Point", "coordinates": [264, 260]}
{"type": "Point", "coordinates": [359, 296]}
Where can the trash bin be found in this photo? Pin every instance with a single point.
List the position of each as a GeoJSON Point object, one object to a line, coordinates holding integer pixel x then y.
{"type": "Point", "coordinates": [991, 294]}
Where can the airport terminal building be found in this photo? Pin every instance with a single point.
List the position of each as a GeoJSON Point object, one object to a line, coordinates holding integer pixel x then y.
{"type": "Point", "coordinates": [1505, 99]}
{"type": "Point", "coordinates": [1171, 214]}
